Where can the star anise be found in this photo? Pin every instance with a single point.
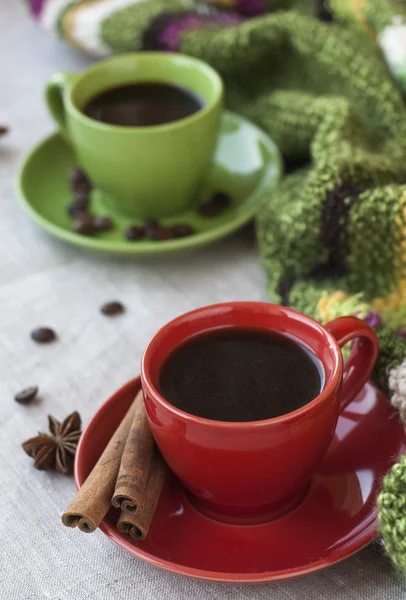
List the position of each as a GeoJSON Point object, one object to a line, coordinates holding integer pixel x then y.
{"type": "Point", "coordinates": [55, 451]}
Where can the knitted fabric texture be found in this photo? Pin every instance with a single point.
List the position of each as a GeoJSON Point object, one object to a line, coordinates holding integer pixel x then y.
{"type": "Point", "coordinates": [392, 513]}
{"type": "Point", "coordinates": [384, 21]}
{"type": "Point", "coordinates": [332, 237]}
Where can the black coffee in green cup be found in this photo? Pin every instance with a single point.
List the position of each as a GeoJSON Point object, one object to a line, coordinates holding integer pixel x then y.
{"type": "Point", "coordinates": [145, 170]}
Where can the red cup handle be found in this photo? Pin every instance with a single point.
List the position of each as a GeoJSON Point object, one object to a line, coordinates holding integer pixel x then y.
{"type": "Point", "coordinates": [361, 362]}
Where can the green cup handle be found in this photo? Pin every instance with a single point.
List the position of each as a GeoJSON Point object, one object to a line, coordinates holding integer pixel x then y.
{"type": "Point", "coordinates": [55, 95]}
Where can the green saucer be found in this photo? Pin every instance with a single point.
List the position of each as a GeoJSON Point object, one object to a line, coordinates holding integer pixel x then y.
{"type": "Point", "coordinates": [246, 165]}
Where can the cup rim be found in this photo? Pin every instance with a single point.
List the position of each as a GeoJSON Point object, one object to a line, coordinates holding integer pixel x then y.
{"type": "Point", "coordinates": [330, 388]}
{"type": "Point", "coordinates": [149, 56]}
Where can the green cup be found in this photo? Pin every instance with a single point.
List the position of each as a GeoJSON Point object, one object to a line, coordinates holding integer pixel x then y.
{"type": "Point", "coordinates": [151, 171]}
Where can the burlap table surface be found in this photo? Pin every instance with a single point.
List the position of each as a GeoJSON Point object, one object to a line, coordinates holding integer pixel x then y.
{"type": "Point", "coordinates": [45, 282]}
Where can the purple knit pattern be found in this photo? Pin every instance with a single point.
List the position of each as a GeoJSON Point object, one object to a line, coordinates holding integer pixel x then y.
{"type": "Point", "coordinates": [373, 319]}
{"type": "Point", "coordinates": [36, 7]}
{"type": "Point", "coordinates": [169, 37]}
{"type": "Point", "coordinates": [250, 8]}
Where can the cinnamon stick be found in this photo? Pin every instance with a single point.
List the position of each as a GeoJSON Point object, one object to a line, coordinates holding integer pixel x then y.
{"type": "Point", "coordinates": [92, 502]}
{"type": "Point", "coordinates": [137, 523]}
{"type": "Point", "coordinates": [135, 464]}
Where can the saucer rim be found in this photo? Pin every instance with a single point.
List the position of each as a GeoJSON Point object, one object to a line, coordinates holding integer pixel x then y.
{"type": "Point", "coordinates": [272, 173]}
{"type": "Point", "coordinates": [370, 531]}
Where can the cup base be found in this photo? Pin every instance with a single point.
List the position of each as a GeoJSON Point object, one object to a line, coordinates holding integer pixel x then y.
{"type": "Point", "coordinates": [248, 516]}
{"type": "Point", "coordinates": [105, 203]}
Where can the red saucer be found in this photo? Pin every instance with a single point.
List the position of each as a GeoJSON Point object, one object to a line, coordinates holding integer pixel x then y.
{"type": "Point", "coordinates": [336, 519]}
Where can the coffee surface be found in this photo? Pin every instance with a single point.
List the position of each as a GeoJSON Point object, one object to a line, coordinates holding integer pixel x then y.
{"type": "Point", "coordinates": [240, 375]}
{"type": "Point", "coordinates": [142, 104]}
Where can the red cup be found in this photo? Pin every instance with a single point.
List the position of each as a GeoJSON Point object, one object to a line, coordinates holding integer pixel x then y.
{"type": "Point", "coordinates": [256, 470]}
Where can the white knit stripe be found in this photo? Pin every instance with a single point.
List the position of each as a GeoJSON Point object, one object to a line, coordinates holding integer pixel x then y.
{"type": "Point", "coordinates": [85, 29]}
{"type": "Point", "coordinates": [397, 384]}
{"type": "Point", "coordinates": [50, 14]}
{"type": "Point", "coordinates": [392, 41]}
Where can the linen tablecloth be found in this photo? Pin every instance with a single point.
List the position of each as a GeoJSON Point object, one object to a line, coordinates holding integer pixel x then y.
{"type": "Point", "coordinates": [43, 282]}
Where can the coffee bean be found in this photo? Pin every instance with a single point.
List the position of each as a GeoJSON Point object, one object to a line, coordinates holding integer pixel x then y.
{"type": "Point", "coordinates": [76, 208]}
{"type": "Point", "coordinates": [43, 335]}
{"type": "Point", "coordinates": [208, 209]}
{"type": "Point", "coordinates": [77, 176]}
{"type": "Point", "coordinates": [102, 223]}
{"type": "Point", "coordinates": [219, 202]}
{"type": "Point", "coordinates": [221, 199]}
{"type": "Point", "coordinates": [180, 230]}
{"type": "Point", "coordinates": [112, 308]}
{"type": "Point", "coordinates": [163, 233]}
{"type": "Point", "coordinates": [84, 224]}
{"type": "Point", "coordinates": [134, 233]}
{"type": "Point", "coordinates": [81, 194]}
{"type": "Point", "coordinates": [150, 227]}
{"type": "Point", "coordinates": [26, 396]}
